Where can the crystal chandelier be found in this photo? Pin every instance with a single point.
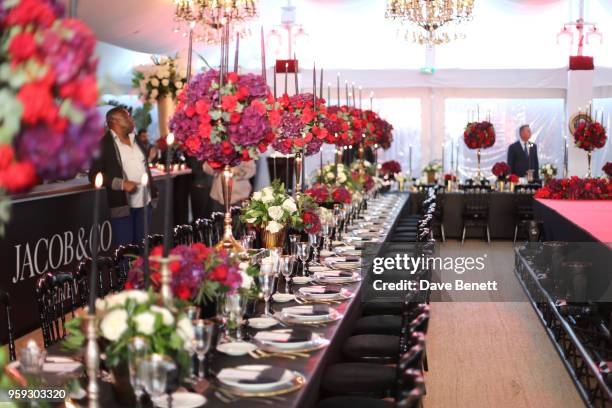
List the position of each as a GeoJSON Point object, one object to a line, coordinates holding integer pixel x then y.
{"type": "Point", "coordinates": [434, 19]}
{"type": "Point", "coordinates": [207, 17]}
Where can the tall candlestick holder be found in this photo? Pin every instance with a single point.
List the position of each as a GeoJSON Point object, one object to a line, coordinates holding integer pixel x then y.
{"type": "Point", "coordinates": [478, 172]}
{"type": "Point", "coordinates": [166, 278]}
{"type": "Point", "coordinates": [92, 361]}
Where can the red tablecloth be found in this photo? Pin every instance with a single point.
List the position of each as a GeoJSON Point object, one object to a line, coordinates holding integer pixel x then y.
{"type": "Point", "coordinates": [593, 216]}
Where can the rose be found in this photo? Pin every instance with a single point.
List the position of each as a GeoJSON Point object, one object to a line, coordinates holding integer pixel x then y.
{"type": "Point", "coordinates": [274, 227]}
{"type": "Point", "coordinates": [165, 82]}
{"type": "Point", "coordinates": [167, 317]}
{"type": "Point", "coordinates": [185, 331]}
{"type": "Point", "coordinates": [247, 280]}
{"type": "Point", "coordinates": [276, 212]}
{"type": "Point", "coordinates": [267, 195]}
{"type": "Point", "coordinates": [114, 324]}
{"type": "Point", "coordinates": [145, 323]}
{"type": "Point", "coordinates": [257, 196]}
{"type": "Point", "coordinates": [289, 205]}
{"type": "Point", "coordinates": [342, 178]}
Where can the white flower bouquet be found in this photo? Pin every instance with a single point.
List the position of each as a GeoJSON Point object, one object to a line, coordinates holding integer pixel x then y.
{"type": "Point", "coordinates": [334, 174]}
{"type": "Point", "coordinates": [166, 76]}
{"type": "Point", "coordinates": [131, 313]}
{"type": "Point", "coordinates": [271, 208]}
{"type": "Point", "coordinates": [432, 167]}
{"type": "Point", "coordinates": [548, 170]}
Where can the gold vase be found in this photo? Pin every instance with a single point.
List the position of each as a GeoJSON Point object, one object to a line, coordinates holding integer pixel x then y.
{"type": "Point", "coordinates": [272, 239]}
{"type": "Point", "coordinates": [449, 186]}
{"type": "Point", "coordinates": [298, 162]}
{"type": "Point", "coordinates": [228, 241]}
{"type": "Point", "coordinates": [589, 160]}
{"type": "Point", "coordinates": [431, 177]}
{"type": "Point", "coordinates": [512, 187]}
{"type": "Point", "coordinates": [165, 110]}
{"type": "Point", "coordinates": [500, 185]}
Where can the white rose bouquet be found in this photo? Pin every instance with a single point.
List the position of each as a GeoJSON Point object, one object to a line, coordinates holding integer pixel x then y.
{"type": "Point", "coordinates": [334, 174]}
{"type": "Point", "coordinates": [166, 76]}
{"type": "Point", "coordinates": [131, 313]}
{"type": "Point", "coordinates": [271, 208]}
{"type": "Point", "coordinates": [548, 170]}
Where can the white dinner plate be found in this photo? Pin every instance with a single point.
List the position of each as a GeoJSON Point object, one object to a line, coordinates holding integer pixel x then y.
{"type": "Point", "coordinates": [326, 279]}
{"type": "Point", "coordinates": [283, 297]}
{"type": "Point", "coordinates": [342, 295]}
{"type": "Point", "coordinates": [297, 345]}
{"type": "Point", "coordinates": [262, 322]}
{"type": "Point", "coordinates": [286, 378]}
{"type": "Point", "coordinates": [301, 280]}
{"type": "Point", "coordinates": [181, 400]}
{"type": "Point", "coordinates": [236, 348]}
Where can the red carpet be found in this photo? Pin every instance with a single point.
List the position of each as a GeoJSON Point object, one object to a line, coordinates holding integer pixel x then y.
{"type": "Point", "coordinates": [594, 216]}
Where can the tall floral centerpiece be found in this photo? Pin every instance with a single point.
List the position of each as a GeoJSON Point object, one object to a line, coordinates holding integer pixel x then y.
{"type": "Point", "coordinates": [301, 130]}
{"type": "Point", "coordinates": [501, 170]}
{"type": "Point", "coordinates": [271, 210]}
{"type": "Point", "coordinates": [160, 83]}
{"type": "Point", "coordinates": [224, 121]}
{"type": "Point", "coordinates": [50, 126]}
{"type": "Point", "coordinates": [589, 136]}
{"type": "Point", "coordinates": [341, 126]}
{"type": "Point", "coordinates": [327, 195]}
{"type": "Point", "coordinates": [378, 133]}
{"type": "Point", "coordinates": [479, 135]}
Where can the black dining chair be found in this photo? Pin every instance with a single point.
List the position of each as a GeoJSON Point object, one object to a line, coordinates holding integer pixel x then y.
{"type": "Point", "coordinates": [155, 240]}
{"type": "Point", "coordinates": [523, 212]}
{"type": "Point", "coordinates": [476, 212]}
{"type": "Point", "coordinates": [108, 278]}
{"type": "Point", "coordinates": [183, 235]}
{"type": "Point", "coordinates": [5, 302]}
{"type": "Point", "coordinates": [203, 231]}
{"type": "Point", "coordinates": [122, 259]}
{"type": "Point", "coordinates": [218, 219]}
{"type": "Point", "coordinates": [55, 296]}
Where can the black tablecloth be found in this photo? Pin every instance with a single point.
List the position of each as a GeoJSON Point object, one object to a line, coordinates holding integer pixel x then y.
{"type": "Point", "coordinates": [502, 210]}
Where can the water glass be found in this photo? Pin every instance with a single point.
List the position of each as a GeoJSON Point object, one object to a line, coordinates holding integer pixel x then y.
{"type": "Point", "coordinates": [138, 348]}
{"type": "Point", "coordinates": [192, 312]}
{"type": "Point", "coordinates": [313, 241]}
{"type": "Point", "coordinates": [154, 374]}
{"type": "Point", "coordinates": [267, 289]}
{"type": "Point", "coordinates": [294, 239]}
{"type": "Point", "coordinates": [203, 332]}
{"type": "Point", "coordinates": [303, 253]}
{"type": "Point", "coordinates": [236, 305]}
{"type": "Point", "coordinates": [32, 358]}
{"type": "Point", "coordinates": [287, 262]}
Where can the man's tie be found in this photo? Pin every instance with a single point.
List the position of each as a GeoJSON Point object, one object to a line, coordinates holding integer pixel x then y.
{"type": "Point", "coordinates": [526, 150]}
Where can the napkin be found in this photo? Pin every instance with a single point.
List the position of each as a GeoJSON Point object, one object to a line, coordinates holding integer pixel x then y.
{"type": "Point", "coordinates": [312, 310]}
{"type": "Point", "coordinates": [294, 336]}
{"type": "Point", "coordinates": [321, 290]}
{"type": "Point", "coordinates": [334, 274]}
{"type": "Point", "coordinates": [63, 367]}
{"type": "Point", "coordinates": [267, 375]}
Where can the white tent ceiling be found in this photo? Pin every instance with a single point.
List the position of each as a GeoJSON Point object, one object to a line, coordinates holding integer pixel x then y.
{"type": "Point", "coordinates": [354, 33]}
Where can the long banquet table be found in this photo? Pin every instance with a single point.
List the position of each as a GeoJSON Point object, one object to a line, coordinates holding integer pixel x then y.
{"type": "Point", "coordinates": [312, 367]}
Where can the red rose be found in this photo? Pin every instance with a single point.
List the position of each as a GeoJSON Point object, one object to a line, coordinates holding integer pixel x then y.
{"type": "Point", "coordinates": [229, 103]}
{"type": "Point", "coordinates": [193, 144]}
{"type": "Point", "coordinates": [227, 148]}
{"type": "Point", "coordinates": [31, 11]}
{"type": "Point", "coordinates": [232, 77]}
{"type": "Point", "coordinates": [245, 155]}
{"type": "Point", "coordinates": [262, 147]}
{"type": "Point", "coordinates": [258, 106]}
{"type": "Point", "coordinates": [6, 156]}
{"type": "Point", "coordinates": [219, 273]}
{"type": "Point", "coordinates": [275, 118]}
{"type": "Point", "coordinates": [242, 92]}
{"type": "Point", "coordinates": [189, 111]}
{"type": "Point", "coordinates": [235, 117]}
{"type": "Point", "coordinates": [22, 47]}
{"type": "Point", "coordinates": [205, 129]}
{"type": "Point", "coordinates": [18, 177]}
{"type": "Point", "coordinates": [37, 101]}
{"type": "Point", "coordinates": [183, 292]}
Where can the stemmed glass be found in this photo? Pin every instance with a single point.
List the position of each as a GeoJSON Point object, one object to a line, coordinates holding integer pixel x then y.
{"type": "Point", "coordinates": [203, 332]}
{"type": "Point", "coordinates": [154, 375]}
{"type": "Point", "coordinates": [192, 312]}
{"type": "Point", "coordinates": [287, 269]}
{"type": "Point", "coordinates": [303, 252]}
{"type": "Point", "coordinates": [236, 305]}
{"type": "Point", "coordinates": [313, 241]}
{"type": "Point", "coordinates": [337, 214]}
{"type": "Point", "coordinates": [326, 229]}
{"type": "Point", "coordinates": [266, 279]}
{"type": "Point", "coordinates": [138, 348]}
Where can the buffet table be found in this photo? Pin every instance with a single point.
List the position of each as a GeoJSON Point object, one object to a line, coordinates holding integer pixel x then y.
{"type": "Point", "coordinates": [50, 230]}
{"type": "Point", "coordinates": [502, 208]}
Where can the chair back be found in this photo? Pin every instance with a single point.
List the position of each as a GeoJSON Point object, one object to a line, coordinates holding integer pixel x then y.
{"type": "Point", "coordinates": [55, 296]}
{"type": "Point", "coordinates": [183, 235]}
{"type": "Point", "coordinates": [218, 220]}
{"type": "Point", "coordinates": [122, 262]}
{"type": "Point", "coordinates": [203, 231]}
{"type": "Point", "coordinates": [5, 302]}
{"type": "Point", "coordinates": [476, 206]}
{"type": "Point", "coordinates": [108, 281]}
{"type": "Point", "coordinates": [155, 240]}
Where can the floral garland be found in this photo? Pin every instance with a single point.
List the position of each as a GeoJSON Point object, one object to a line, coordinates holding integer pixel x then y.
{"type": "Point", "coordinates": [576, 188]}
{"type": "Point", "coordinates": [590, 136]}
{"type": "Point", "coordinates": [165, 76]}
{"type": "Point", "coordinates": [390, 168]}
{"type": "Point", "coordinates": [48, 93]}
{"type": "Point", "coordinates": [301, 127]}
{"type": "Point", "coordinates": [607, 168]}
{"type": "Point", "coordinates": [227, 125]}
{"type": "Point", "coordinates": [501, 170]}
{"type": "Point", "coordinates": [479, 135]}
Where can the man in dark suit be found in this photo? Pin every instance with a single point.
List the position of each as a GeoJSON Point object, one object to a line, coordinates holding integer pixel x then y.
{"type": "Point", "coordinates": [123, 162]}
{"type": "Point", "coordinates": [523, 155]}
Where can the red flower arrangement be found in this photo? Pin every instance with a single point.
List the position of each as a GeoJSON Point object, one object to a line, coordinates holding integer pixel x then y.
{"type": "Point", "coordinates": [200, 269]}
{"type": "Point", "coordinates": [226, 125]}
{"type": "Point", "coordinates": [301, 125]}
{"type": "Point", "coordinates": [513, 178]}
{"type": "Point", "coordinates": [312, 222]}
{"type": "Point", "coordinates": [479, 135]}
{"type": "Point", "coordinates": [362, 181]}
{"type": "Point", "coordinates": [450, 177]}
{"type": "Point", "coordinates": [324, 194]}
{"type": "Point", "coordinates": [576, 188]}
{"type": "Point", "coordinates": [590, 136]}
{"type": "Point", "coordinates": [607, 168]}
{"type": "Point", "coordinates": [390, 167]}
{"type": "Point", "coordinates": [53, 128]}
{"type": "Point", "coordinates": [343, 125]}
{"type": "Point", "coordinates": [501, 170]}
{"type": "Point", "coordinates": [376, 130]}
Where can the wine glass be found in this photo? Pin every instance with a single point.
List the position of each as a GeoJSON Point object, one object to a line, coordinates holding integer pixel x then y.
{"type": "Point", "coordinates": [192, 312]}
{"type": "Point", "coordinates": [236, 305]}
{"type": "Point", "coordinates": [313, 241]}
{"type": "Point", "coordinates": [138, 348]}
{"type": "Point", "coordinates": [266, 279]}
{"type": "Point", "coordinates": [294, 239]}
{"type": "Point", "coordinates": [303, 253]}
{"type": "Point", "coordinates": [203, 332]}
{"type": "Point", "coordinates": [247, 241]}
{"type": "Point", "coordinates": [275, 254]}
{"type": "Point", "coordinates": [154, 374]}
{"type": "Point", "coordinates": [326, 229]}
{"type": "Point", "coordinates": [287, 269]}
